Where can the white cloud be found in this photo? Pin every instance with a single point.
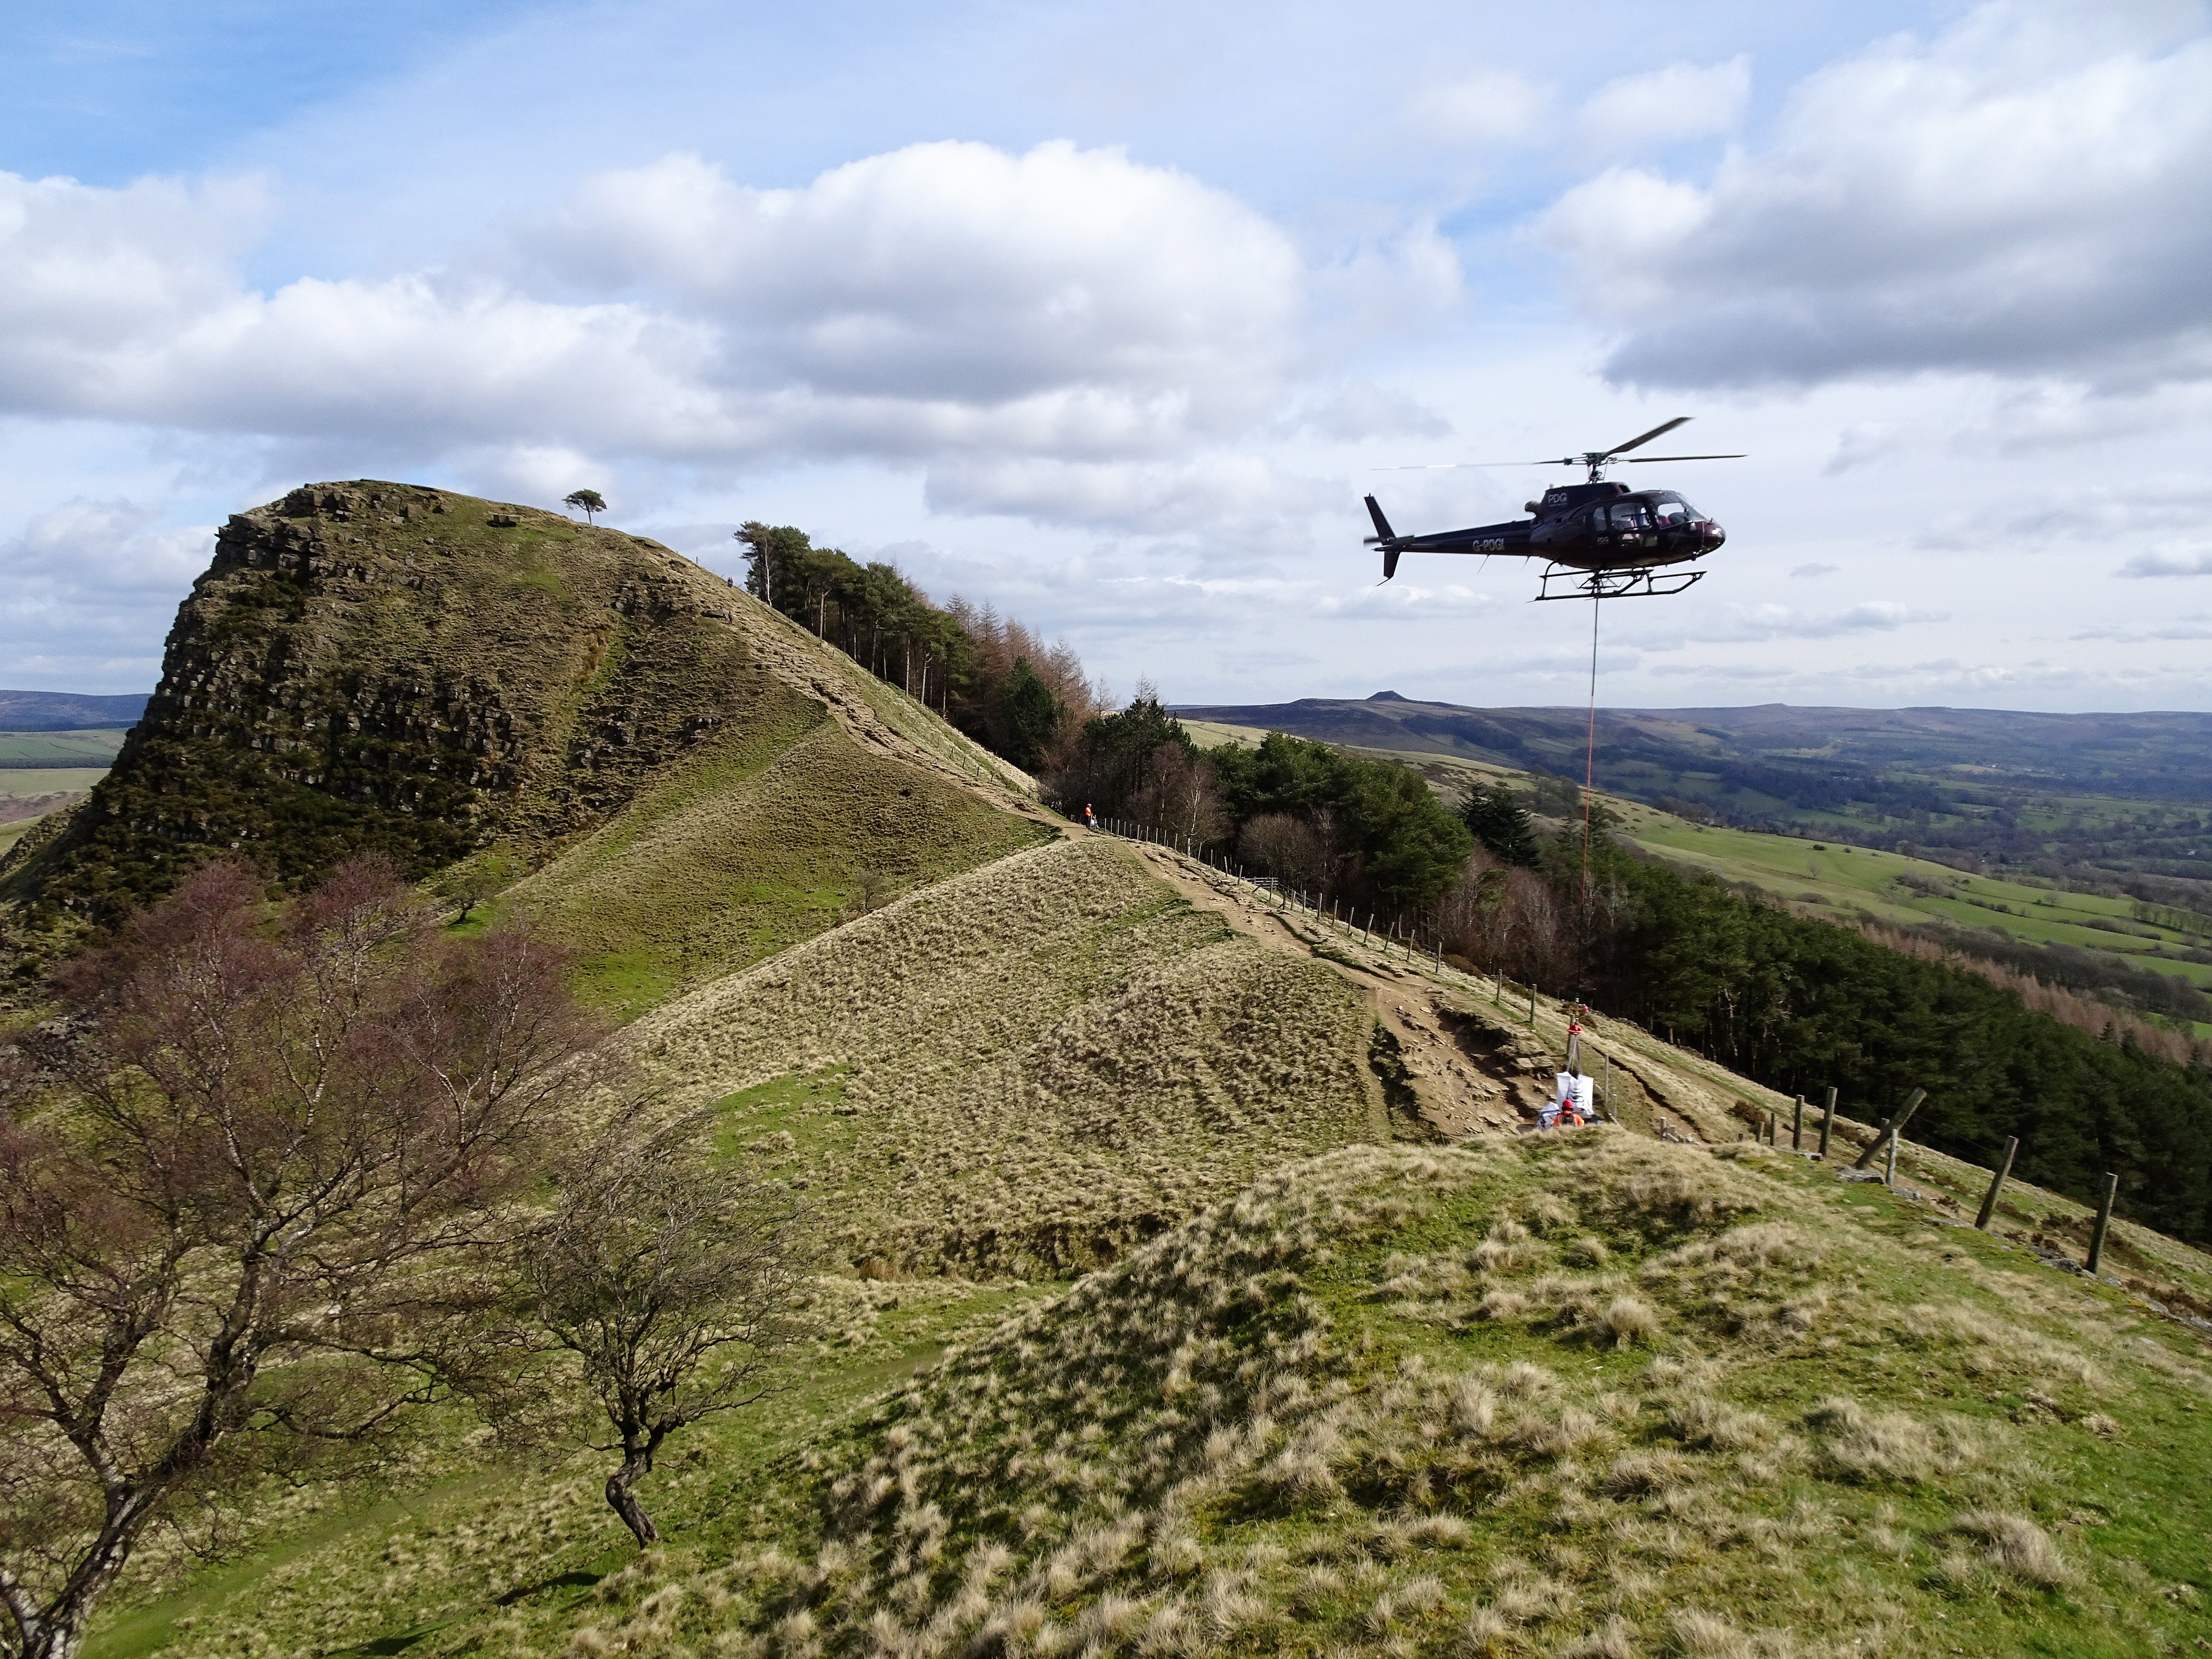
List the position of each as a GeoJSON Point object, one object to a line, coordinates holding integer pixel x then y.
{"type": "Point", "coordinates": [1404, 601]}
{"type": "Point", "coordinates": [2092, 514]}
{"type": "Point", "coordinates": [1227, 495]}
{"type": "Point", "coordinates": [1361, 410]}
{"type": "Point", "coordinates": [943, 301]}
{"type": "Point", "coordinates": [86, 587]}
{"type": "Point", "coordinates": [2023, 194]}
{"type": "Point", "coordinates": [1862, 444]}
{"type": "Point", "coordinates": [1749, 623]}
{"type": "Point", "coordinates": [1485, 108]}
{"type": "Point", "coordinates": [2191, 627]}
{"type": "Point", "coordinates": [2168, 564]}
{"type": "Point", "coordinates": [1809, 571]}
{"type": "Point", "coordinates": [955, 272]}
{"type": "Point", "coordinates": [1681, 101]}
{"type": "Point", "coordinates": [84, 271]}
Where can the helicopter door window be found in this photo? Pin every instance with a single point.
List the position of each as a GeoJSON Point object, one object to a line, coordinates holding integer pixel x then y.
{"type": "Point", "coordinates": [1629, 516]}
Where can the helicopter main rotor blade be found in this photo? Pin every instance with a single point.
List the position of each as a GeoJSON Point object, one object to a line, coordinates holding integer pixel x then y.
{"type": "Point", "coordinates": [1656, 432]}
{"type": "Point", "coordinates": [1448, 466]}
{"type": "Point", "coordinates": [1642, 460]}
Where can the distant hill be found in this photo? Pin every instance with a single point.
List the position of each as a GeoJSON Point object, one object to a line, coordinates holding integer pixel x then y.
{"type": "Point", "coordinates": [692, 780]}
{"type": "Point", "coordinates": [67, 711]}
{"type": "Point", "coordinates": [2127, 792]}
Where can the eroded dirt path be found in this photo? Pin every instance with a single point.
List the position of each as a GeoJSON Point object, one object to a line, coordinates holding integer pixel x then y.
{"type": "Point", "coordinates": [1471, 1072]}
{"type": "Point", "coordinates": [1477, 1058]}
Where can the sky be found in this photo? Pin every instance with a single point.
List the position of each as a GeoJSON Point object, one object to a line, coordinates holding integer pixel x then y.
{"type": "Point", "coordinates": [1109, 313]}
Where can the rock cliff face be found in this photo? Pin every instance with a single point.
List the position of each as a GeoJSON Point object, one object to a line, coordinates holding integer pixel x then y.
{"type": "Point", "coordinates": [386, 666]}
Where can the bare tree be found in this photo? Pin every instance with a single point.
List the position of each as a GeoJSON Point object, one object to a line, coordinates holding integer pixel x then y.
{"type": "Point", "coordinates": [674, 1282]}
{"type": "Point", "coordinates": [228, 1173]}
{"type": "Point", "coordinates": [1284, 845]}
{"type": "Point", "coordinates": [1180, 795]}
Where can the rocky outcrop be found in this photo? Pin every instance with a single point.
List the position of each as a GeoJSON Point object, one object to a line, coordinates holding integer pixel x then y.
{"type": "Point", "coordinates": [378, 666]}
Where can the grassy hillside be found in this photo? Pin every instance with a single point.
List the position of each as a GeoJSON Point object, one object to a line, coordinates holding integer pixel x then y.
{"type": "Point", "coordinates": [1588, 1394]}
{"type": "Point", "coordinates": [756, 842]}
{"type": "Point", "coordinates": [1842, 882]}
{"type": "Point", "coordinates": [1584, 1395]}
{"type": "Point", "coordinates": [36, 779]}
{"type": "Point", "coordinates": [1318, 1390]}
{"type": "Point", "coordinates": [373, 665]}
{"type": "Point", "coordinates": [1025, 1069]}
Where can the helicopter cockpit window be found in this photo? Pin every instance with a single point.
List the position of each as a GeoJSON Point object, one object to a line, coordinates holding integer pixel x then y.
{"type": "Point", "coordinates": [1672, 510]}
{"type": "Point", "coordinates": [1630, 515]}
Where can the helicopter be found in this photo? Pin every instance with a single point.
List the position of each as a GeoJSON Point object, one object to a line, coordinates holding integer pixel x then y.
{"type": "Point", "coordinates": [1604, 540]}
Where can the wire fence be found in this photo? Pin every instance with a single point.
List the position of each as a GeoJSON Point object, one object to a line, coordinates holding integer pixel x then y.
{"type": "Point", "coordinates": [1292, 901]}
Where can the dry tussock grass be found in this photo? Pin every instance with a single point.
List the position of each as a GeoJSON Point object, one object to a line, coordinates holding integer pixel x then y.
{"type": "Point", "coordinates": [1043, 1062]}
{"type": "Point", "coordinates": [1054, 1490]}
{"type": "Point", "coordinates": [757, 842]}
{"type": "Point", "coordinates": [1289, 1422]}
{"type": "Point", "coordinates": [2011, 1545]}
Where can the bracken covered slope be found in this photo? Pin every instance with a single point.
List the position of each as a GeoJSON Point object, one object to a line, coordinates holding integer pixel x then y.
{"type": "Point", "coordinates": [379, 666]}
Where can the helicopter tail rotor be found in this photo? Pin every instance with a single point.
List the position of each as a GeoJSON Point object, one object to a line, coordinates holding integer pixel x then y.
{"type": "Point", "coordinates": [1384, 537]}
{"type": "Point", "coordinates": [1382, 532]}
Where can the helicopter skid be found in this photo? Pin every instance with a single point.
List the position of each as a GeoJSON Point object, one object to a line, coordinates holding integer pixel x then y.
{"type": "Point", "coordinates": [1645, 584]}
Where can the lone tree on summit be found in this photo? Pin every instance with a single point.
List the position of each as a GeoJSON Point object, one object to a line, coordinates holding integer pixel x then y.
{"type": "Point", "coordinates": [588, 500]}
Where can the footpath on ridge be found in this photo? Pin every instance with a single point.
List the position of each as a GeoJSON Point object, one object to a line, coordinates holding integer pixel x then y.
{"type": "Point", "coordinates": [1478, 1055]}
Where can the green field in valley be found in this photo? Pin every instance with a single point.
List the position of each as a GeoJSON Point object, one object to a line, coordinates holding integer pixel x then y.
{"type": "Point", "coordinates": [1824, 879]}
{"type": "Point", "coordinates": [93, 748]}
{"type": "Point", "coordinates": [1844, 883]}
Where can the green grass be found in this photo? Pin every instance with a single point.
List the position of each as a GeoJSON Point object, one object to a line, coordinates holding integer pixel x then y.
{"type": "Point", "coordinates": [1026, 1069]}
{"type": "Point", "coordinates": [337, 1579]}
{"type": "Point", "coordinates": [18, 783]}
{"type": "Point", "coordinates": [94, 748]}
{"type": "Point", "coordinates": [760, 840]}
{"type": "Point", "coordinates": [1576, 1394]}
{"type": "Point", "coordinates": [796, 1116]}
{"type": "Point", "coordinates": [1842, 883]}
{"type": "Point", "coordinates": [1255, 1423]}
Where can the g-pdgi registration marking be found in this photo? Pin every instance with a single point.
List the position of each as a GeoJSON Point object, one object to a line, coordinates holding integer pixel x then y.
{"type": "Point", "coordinates": [1604, 541]}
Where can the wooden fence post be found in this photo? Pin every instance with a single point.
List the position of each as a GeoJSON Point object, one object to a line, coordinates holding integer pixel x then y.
{"type": "Point", "coordinates": [1828, 1120]}
{"type": "Point", "coordinates": [1895, 1127]}
{"type": "Point", "coordinates": [2104, 1220]}
{"type": "Point", "coordinates": [1996, 1182]}
{"type": "Point", "coordinates": [1797, 1126]}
